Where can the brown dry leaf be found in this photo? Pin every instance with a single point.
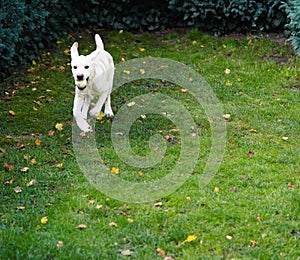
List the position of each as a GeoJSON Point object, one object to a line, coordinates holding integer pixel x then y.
{"type": "Point", "coordinates": [20, 146]}
{"type": "Point", "coordinates": [10, 181]}
{"type": "Point", "coordinates": [81, 226]}
{"type": "Point", "coordinates": [91, 202]}
{"type": "Point", "coordinates": [31, 183]}
{"type": "Point", "coordinates": [253, 243]}
{"type": "Point", "coordinates": [59, 244]}
{"type": "Point", "coordinates": [11, 113]}
{"type": "Point", "coordinates": [39, 103]}
{"type": "Point", "coordinates": [263, 235]}
{"type": "Point", "coordinates": [26, 156]}
{"type": "Point", "coordinates": [253, 131]}
{"type": "Point", "coordinates": [291, 185]}
{"type": "Point", "coordinates": [250, 154]}
{"type": "Point", "coordinates": [258, 219]}
{"type": "Point", "coordinates": [8, 166]}
{"type": "Point", "coordinates": [113, 224]}
{"type": "Point", "coordinates": [33, 161]}
{"type": "Point", "coordinates": [161, 252]}
{"type": "Point", "coordinates": [51, 132]}
{"type": "Point", "coordinates": [127, 252]}
{"type": "Point", "coordinates": [25, 169]}
{"type": "Point", "coordinates": [17, 189]}
{"type": "Point", "coordinates": [226, 116]}
{"type": "Point", "coordinates": [158, 204]}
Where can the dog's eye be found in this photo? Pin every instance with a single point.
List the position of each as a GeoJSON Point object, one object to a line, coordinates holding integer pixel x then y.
{"type": "Point", "coordinates": [74, 67]}
{"type": "Point", "coordinates": [86, 67]}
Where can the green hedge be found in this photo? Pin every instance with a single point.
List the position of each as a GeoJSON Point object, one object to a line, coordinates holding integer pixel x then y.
{"type": "Point", "coordinates": [29, 26]}
{"type": "Point", "coordinates": [292, 8]}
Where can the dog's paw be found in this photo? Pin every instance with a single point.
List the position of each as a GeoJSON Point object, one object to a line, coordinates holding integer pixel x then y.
{"type": "Point", "coordinates": [83, 125]}
{"type": "Point", "coordinates": [109, 113]}
{"type": "Point", "coordinates": [94, 113]}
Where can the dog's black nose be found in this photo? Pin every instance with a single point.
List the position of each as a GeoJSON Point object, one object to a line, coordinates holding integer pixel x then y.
{"type": "Point", "coordinates": [80, 77]}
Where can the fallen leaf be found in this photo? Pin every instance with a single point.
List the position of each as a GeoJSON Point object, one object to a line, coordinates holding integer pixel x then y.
{"type": "Point", "coordinates": [250, 154]}
{"type": "Point", "coordinates": [216, 190]}
{"type": "Point", "coordinates": [25, 169]}
{"type": "Point", "coordinates": [131, 104]}
{"type": "Point", "coordinates": [228, 83]}
{"type": "Point", "coordinates": [285, 138]}
{"type": "Point", "coordinates": [98, 206]}
{"type": "Point", "coordinates": [142, 71]}
{"type": "Point", "coordinates": [253, 131]}
{"type": "Point", "coordinates": [11, 113]}
{"type": "Point", "coordinates": [158, 204]}
{"type": "Point", "coordinates": [91, 202]}
{"type": "Point", "coordinates": [113, 224]}
{"type": "Point", "coordinates": [10, 181]}
{"type": "Point", "coordinates": [44, 220]}
{"type": "Point", "coordinates": [33, 161]}
{"type": "Point", "coordinates": [253, 243]}
{"type": "Point", "coordinates": [263, 235]}
{"type": "Point", "coordinates": [227, 71]}
{"type": "Point", "coordinates": [81, 226]}
{"type": "Point", "coordinates": [226, 116]}
{"type": "Point", "coordinates": [31, 183]}
{"type": "Point", "coordinates": [20, 146]}
{"type": "Point", "coordinates": [183, 90]}
{"type": "Point", "coordinates": [114, 170]}
{"type": "Point", "coordinates": [17, 189]}
{"type": "Point", "coordinates": [190, 238]}
{"type": "Point", "coordinates": [130, 220]}
{"type": "Point", "coordinates": [20, 208]}
{"type": "Point", "coordinates": [229, 237]}
{"type": "Point", "coordinates": [59, 126]}
{"type": "Point", "coordinates": [100, 116]}
{"type": "Point", "coordinates": [38, 142]}
{"type": "Point", "coordinates": [60, 244]}
{"type": "Point", "coordinates": [51, 133]}
{"type": "Point", "coordinates": [142, 49]}
{"type": "Point", "coordinates": [127, 252]}
{"type": "Point", "coordinates": [161, 252]}
{"type": "Point", "coordinates": [233, 189]}
{"type": "Point", "coordinates": [291, 185]}
{"type": "Point", "coordinates": [258, 219]}
{"type": "Point", "coordinates": [8, 166]}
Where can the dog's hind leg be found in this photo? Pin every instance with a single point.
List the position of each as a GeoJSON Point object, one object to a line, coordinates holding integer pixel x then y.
{"type": "Point", "coordinates": [108, 111]}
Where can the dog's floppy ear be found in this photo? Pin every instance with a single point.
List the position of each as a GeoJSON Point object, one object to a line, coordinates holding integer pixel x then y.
{"type": "Point", "coordinates": [74, 50]}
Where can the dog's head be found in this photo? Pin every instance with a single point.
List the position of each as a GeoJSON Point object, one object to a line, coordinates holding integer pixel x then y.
{"type": "Point", "coordinates": [82, 66]}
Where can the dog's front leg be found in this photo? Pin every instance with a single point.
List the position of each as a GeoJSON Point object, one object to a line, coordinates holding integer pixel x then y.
{"type": "Point", "coordinates": [95, 111]}
{"type": "Point", "coordinates": [78, 109]}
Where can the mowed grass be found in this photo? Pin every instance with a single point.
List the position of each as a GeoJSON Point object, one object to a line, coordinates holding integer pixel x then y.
{"type": "Point", "coordinates": [250, 209]}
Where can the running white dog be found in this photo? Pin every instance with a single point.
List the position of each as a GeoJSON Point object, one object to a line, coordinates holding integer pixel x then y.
{"type": "Point", "coordinates": [93, 75]}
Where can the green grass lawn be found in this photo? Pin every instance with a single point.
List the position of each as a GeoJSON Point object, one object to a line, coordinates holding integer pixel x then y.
{"type": "Point", "coordinates": [250, 209]}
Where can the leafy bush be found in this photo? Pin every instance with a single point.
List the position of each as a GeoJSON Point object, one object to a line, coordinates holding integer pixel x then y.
{"type": "Point", "coordinates": [29, 26]}
{"type": "Point", "coordinates": [293, 12]}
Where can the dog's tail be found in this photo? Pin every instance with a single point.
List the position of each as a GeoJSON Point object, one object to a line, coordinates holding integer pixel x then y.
{"type": "Point", "coordinates": [99, 43]}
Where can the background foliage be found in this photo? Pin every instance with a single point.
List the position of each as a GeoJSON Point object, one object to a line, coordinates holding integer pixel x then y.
{"type": "Point", "coordinates": [29, 26]}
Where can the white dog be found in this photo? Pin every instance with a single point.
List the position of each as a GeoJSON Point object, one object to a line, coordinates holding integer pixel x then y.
{"type": "Point", "coordinates": [93, 75]}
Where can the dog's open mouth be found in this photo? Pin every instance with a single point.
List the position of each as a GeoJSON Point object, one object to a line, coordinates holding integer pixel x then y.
{"type": "Point", "coordinates": [80, 84]}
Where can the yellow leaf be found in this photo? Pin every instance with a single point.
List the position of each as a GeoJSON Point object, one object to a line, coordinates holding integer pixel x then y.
{"type": "Point", "coordinates": [121, 31]}
{"type": "Point", "coordinates": [20, 208]}
{"type": "Point", "coordinates": [59, 126]}
{"type": "Point", "coordinates": [38, 142]}
{"type": "Point", "coordinates": [114, 170]}
{"type": "Point", "coordinates": [228, 83]}
{"type": "Point", "coordinates": [130, 220]}
{"type": "Point", "coordinates": [191, 238]}
{"type": "Point", "coordinates": [216, 190]}
{"type": "Point", "coordinates": [142, 49]}
{"type": "Point", "coordinates": [44, 220]}
{"type": "Point", "coordinates": [226, 116]}
{"type": "Point", "coordinates": [101, 115]}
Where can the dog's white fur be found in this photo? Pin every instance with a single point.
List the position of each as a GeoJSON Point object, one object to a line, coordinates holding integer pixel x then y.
{"type": "Point", "coordinates": [93, 75]}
